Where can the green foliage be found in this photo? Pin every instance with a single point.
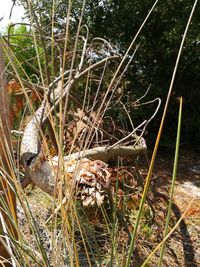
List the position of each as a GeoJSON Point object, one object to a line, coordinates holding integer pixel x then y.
{"type": "Point", "coordinates": [118, 22]}
{"type": "Point", "coordinates": [154, 61]}
{"type": "Point", "coordinates": [21, 44]}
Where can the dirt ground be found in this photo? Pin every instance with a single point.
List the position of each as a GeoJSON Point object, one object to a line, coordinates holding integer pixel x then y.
{"type": "Point", "coordinates": [183, 247]}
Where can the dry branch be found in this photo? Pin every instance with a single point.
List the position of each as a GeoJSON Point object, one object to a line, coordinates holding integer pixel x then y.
{"type": "Point", "coordinates": [30, 145]}
{"type": "Point", "coordinates": [105, 154]}
{"type": "Point", "coordinates": [43, 172]}
{"type": "Point", "coordinates": [87, 174]}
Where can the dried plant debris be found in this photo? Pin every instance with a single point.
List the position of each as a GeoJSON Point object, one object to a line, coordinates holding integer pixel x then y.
{"type": "Point", "coordinates": [90, 177]}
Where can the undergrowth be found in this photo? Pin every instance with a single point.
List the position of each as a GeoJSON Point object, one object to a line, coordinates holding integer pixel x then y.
{"type": "Point", "coordinates": [51, 232]}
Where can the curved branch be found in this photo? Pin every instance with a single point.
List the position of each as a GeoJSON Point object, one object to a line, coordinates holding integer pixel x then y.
{"type": "Point", "coordinates": [105, 153]}
{"type": "Point", "coordinates": [30, 144]}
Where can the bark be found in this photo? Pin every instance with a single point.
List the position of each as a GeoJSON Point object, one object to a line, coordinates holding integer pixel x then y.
{"type": "Point", "coordinates": [43, 172]}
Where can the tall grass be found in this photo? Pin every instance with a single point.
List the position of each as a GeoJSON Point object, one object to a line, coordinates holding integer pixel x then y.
{"type": "Point", "coordinates": [79, 236]}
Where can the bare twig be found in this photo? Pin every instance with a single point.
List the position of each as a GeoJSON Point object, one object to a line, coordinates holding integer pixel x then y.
{"type": "Point", "coordinates": [129, 135]}
{"type": "Point", "coordinates": [105, 153]}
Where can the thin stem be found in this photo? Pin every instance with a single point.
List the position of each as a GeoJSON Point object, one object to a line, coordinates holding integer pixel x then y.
{"type": "Point", "coordinates": [173, 181]}
{"type": "Point", "coordinates": [151, 166]}
{"type": "Point", "coordinates": [169, 234]}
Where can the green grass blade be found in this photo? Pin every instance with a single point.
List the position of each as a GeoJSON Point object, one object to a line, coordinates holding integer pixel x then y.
{"type": "Point", "coordinates": [148, 179]}
{"type": "Point", "coordinates": [173, 180]}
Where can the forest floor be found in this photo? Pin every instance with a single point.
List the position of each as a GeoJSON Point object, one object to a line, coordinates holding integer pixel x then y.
{"type": "Point", "coordinates": [183, 246]}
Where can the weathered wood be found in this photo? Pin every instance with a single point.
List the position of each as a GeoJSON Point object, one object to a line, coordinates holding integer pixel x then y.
{"type": "Point", "coordinates": [44, 174]}
{"type": "Point", "coordinates": [105, 154]}
{"type": "Point", "coordinates": [41, 170]}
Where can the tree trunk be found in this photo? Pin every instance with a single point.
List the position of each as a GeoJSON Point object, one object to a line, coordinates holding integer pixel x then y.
{"type": "Point", "coordinates": [6, 193]}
